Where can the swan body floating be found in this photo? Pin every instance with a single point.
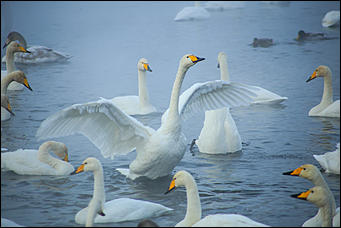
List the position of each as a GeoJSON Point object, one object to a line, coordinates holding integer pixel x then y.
{"type": "Point", "coordinates": [36, 54]}
{"type": "Point", "coordinates": [326, 108]}
{"type": "Point", "coordinates": [157, 151]}
{"type": "Point", "coordinates": [9, 223]}
{"type": "Point", "coordinates": [118, 210]}
{"type": "Point", "coordinates": [193, 213]}
{"type": "Point", "coordinates": [330, 161]}
{"type": "Point", "coordinates": [313, 174]}
{"type": "Point", "coordinates": [195, 12]}
{"type": "Point", "coordinates": [223, 5]}
{"type": "Point", "coordinates": [137, 105]}
{"type": "Point", "coordinates": [15, 76]}
{"type": "Point", "coordinates": [38, 162]}
{"type": "Point", "coordinates": [310, 36]}
{"type": "Point", "coordinates": [332, 18]}
{"type": "Point", "coordinates": [12, 48]}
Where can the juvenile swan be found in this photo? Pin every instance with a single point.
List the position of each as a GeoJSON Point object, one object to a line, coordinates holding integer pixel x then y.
{"type": "Point", "coordinates": [158, 151]}
{"type": "Point", "coordinates": [118, 210]}
{"type": "Point", "coordinates": [193, 213]}
{"type": "Point", "coordinates": [134, 105]}
{"type": "Point", "coordinates": [326, 108]}
{"type": "Point", "coordinates": [38, 162]}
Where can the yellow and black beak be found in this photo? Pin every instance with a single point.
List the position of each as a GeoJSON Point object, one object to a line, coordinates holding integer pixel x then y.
{"type": "Point", "coordinates": [195, 59]}
{"type": "Point", "coordinates": [295, 172]}
{"type": "Point", "coordinates": [79, 170]}
{"type": "Point", "coordinates": [27, 85]}
{"type": "Point", "coordinates": [313, 76]}
{"type": "Point", "coordinates": [23, 49]}
{"type": "Point", "coordinates": [9, 109]}
{"type": "Point", "coordinates": [171, 186]}
{"type": "Point", "coordinates": [6, 43]}
{"type": "Point", "coordinates": [66, 158]}
{"type": "Point", "coordinates": [146, 67]}
{"type": "Point", "coordinates": [302, 195]}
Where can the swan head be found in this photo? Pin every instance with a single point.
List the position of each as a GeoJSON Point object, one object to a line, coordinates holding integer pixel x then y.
{"type": "Point", "coordinates": [89, 164]}
{"type": "Point", "coordinates": [307, 171]}
{"type": "Point", "coordinates": [181, 178]}
{"type": "Point", "coordinates": [143, 65]}
{"type": "Point", "coordinates": [222, 58]}
{"type": "Point", "coordinates": [320, 71]}
{"type": "Point", "coordinates": [5, 104]}
{"type": "Point", "coordinates": [16, 47]}
{"type": "Point", "coordinates": [189, 60]}
{"type": "Point", "coordinates": [316, 195]}
{"type": "Point", "coordinates": [20, 77]}
{"type": "Point", "coordinates": [58, 149]}
{"type": "Point", "coordinates": [12, 36]}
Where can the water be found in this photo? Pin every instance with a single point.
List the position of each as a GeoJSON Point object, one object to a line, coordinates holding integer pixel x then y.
{"type": "Point", "coordinates": [106, 40]}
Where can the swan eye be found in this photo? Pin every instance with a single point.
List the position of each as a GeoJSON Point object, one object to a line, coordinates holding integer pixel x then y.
{"type": "Point", "coordinates": [312, 191]}
{"type": "Point", "coordinates": [304, 168]}
{"type": "Point", "coordinates": [85, 163]}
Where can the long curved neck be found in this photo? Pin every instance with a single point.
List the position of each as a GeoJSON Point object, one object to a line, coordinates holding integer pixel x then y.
{"type": "Point", "coordinates": [10, 60]}
{"type": "Point", "coordinates": [327, 97]}
{"type": "Point", "coordinates": [45, 157]}
{"type": "Point", "coordinates": [5, 81]}
{"type": "Point", "coordinates": [327, 216]}
{"type": "Point", "coordinates": [143, 92]}
{"type": "Point", "coordinates": [99, 192]}
{"type": "Point", "coordinates": [224, 73]}
{"type": "Point", "coordinates": [193, 213]}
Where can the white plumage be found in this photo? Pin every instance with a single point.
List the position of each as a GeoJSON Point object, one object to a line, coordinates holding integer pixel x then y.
{"type": "Point", "coordinates": [332, 18]}
{"type": "Point", "coordinates": [195, 12]}
{"type": "Point", "coordinates": [330, 161]}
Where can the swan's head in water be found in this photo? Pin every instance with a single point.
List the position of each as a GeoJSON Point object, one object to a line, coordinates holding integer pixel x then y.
{"type": "Point", "coordinates": [320, 71]}
{"type": "Point", "coordinates": [16, 47]}
{"type": "Point", "coordinates": [12, 36]}
{"type": "Point", "coordinates": [316, 195]}
{"type": "Point", "coordinates": [20, 77]}
{"type": "Point", "coordinates": [181, 178]}
{"type": "Point", "coordinates": [58, 148]}
{"type": "Point", "coordinates": [143, 65]}
{"type": "Point", "coordinates": [89, 164]}
{"type": "Point", "coordinates": [307, 171]}
{"type": "Point", "coordinates": [189, 60]}
{"type": "Point", "coordinates": [5, 104]}
{"type": "Point", "coordinates": [221, 58]}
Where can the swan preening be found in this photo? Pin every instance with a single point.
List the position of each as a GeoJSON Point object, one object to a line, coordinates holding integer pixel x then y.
{"type": "Point", "coordinates": [118, 210]}
{"type": "Point", "coordinates": [330, 161]}
{"type": "Point", "coordinates": [195, 12]}
{"type": "Point", "coordinates": [193, 212]}
{"type": "Point", "coordinates": [157, 151]}
{"type": "Point", "coordinates": [36, 54]}
{"type": "Point", "coordinates": [140, 104]}
{"type": "Point", "coordinates": [313, 174]}
{"type": "Point", "coordinates": [38, 162]}
{"type": "Point", "coordinates": [332, 18]}
{"type": "Point", "coordinates": [326, 108]}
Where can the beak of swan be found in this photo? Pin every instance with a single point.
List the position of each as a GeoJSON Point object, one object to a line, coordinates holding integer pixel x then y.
{"type": "Point", "coordinates": [171, 186]}
{"type": "Point", "coordinates": [302, 195]}
{"type": "Point", "coordinates": [314, 75]}
{"type": "Point", "coordinates": [66, 158]}
{"type": "Point", "coordinates": [27, 85]}
{"type": "Point", "coordinates": [195, 59]}
{"type": "Point", "coordinates": [23, 49]}
{"type": "Point", "coordinates": [295, 172]}
{"type": "Point", "coordinates": [79, 170]}
{"type": "Point", "coordinates": [9, 108]}
{"type": "Point", "coordinates": [146, 66]}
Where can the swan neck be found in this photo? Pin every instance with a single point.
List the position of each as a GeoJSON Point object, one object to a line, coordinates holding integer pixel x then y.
{"type": "Point", "coordinates": [99, 192]}
{"type": "Point", "coordinates": [193, 213]}
{"type": "Point", "coordinates": [5, 81]}
{"type": "Point", "coordinates": [143, 92]}
{"type": "Point", "coordinates": [10, 67]}
{"type": "Point", "coordinates": [327, 97]}
{"type": "Point", "coordinates": [224, 73]}
{"type": "Point", "coordinates": [318, 180]}
{"type": "Point", "coordinates": [45, 157]}
{"type": "Point", "coordinates": [327, 216]}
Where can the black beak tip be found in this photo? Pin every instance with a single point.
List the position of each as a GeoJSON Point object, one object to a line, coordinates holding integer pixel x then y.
{"type": "Point", "coordinates": [73, 173]}
{"type": "Point", "coordinates": [294, 195]}
{"type": "Point", "coordinates": [287, 173]}
{"type": "Point", "coordinates": [308, 80]}
{"type": "Point", "coordinates": [28, 51]}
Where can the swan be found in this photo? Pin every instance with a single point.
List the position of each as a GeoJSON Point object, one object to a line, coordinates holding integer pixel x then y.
{"type": "Point", "coordinates": [157, 151]}
{"type": "Point", "coordinates": [193, 213]}
{"type": "Point", "coordinates": [38, 162]}
{"type": "Point", "coordinates": [195, 12]}
{"type": "Point", "coordinates": [332, 18]}
{"type": "Point", "coordinates": [330, 161]}
{"type": "Point", "coordinates": [319, 196]}
{"type": "Point", "coordinates": [15, 76]}
{"type": "Point", "coordinates": [224, 5]}
{"type": "Point", "coordinates": [118, 210]}
{"type": "Point", "coordinates": [262, 42]}
{"type": "Point", "coordinates": [309, 36]}
{"type": "Point", "coordinates": [326, 108]}
{"type": "Point", "coordinates": [313, 174]}
{"type": "Point", "coordinates": [137, 105]}
{"type": "Point", "coordinates": [12, 48]}
{"type": "Point", "coordinates": [37, 54]}
{"type": "Point", "coordinates": [9, 223]}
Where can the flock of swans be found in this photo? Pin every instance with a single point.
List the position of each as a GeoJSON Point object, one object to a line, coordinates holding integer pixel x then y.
{"type": "Point", "coordinates": [110, 126]}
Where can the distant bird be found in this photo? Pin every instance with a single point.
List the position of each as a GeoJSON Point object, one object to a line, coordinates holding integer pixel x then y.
{"type": "Point", "coordinates": [195, 12]}
{"type": "Point", "coordinates": [223, 5]}
{"type": "Point", "coordinates": [309, 36]}
{"type": "Point", "coordinates": [332, 18]}
{"type": "Point", "coordinates": [262, 42]}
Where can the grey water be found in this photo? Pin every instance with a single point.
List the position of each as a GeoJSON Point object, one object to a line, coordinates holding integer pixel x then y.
{"type": "Point", "coordinates": [106, 39]}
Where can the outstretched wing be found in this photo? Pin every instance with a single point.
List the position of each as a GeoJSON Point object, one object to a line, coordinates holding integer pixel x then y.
{"type": "Point", "coordinates": [110, 129]}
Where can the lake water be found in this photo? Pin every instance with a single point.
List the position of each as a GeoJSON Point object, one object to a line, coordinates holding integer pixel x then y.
{"type": "Point", "coordinates": [106, 39]}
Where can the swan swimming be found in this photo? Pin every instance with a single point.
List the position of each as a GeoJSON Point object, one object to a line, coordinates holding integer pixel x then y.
{"type": "Point", "coordinates": [37, 54]}
{"type": "Point", "coordinates": [330, 161]}
{"type": "Point", "coordinates": [157, 151]}
{"type": "Point", "coordinates": [326, 108]}
{"type": "Point", "coordinates": [137, 105]}
{"type": "Point", "coordinates": [313, 174]}
{"type": "Point", "coordinates": [195, 12]}
{"type": "Point", "coordinates": [38, 162]}
{"type": "Point", "coordinates": [193, 213]}
{"type": "Point", "coordinates": [118, 210]}
{"type": "Point", "coordinates": [332, 18]}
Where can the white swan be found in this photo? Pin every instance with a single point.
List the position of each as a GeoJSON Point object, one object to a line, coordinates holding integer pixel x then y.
{"type": "Point", "coordinates": [219, 134]}
{"type": "Point", "coordinates": [330, 161]}
{"type": "Point", "coordinates": [37, 54]}
{"type": "Point", "coordinates": [326, 108]}
{"type": "Point", "coordinates": [313, 174]}
{"type": "Point", "coordinates": [224, 5]}
{"type": "Point", "coordinates": [6, 109]}
{"type": "Point", "coordinates": [318, 195]}
{"type": "Point", "coordinates": [195, 12]}
{"type": "Point", "coordinates": [38, 162]}
{"type": "Point", "coordinates": [193, 213]}
{"type": "Point", "coordinates": [9, 223]}
{"type": "Point", "coordinates": [332, 18]}
{"type": "Point", "coordinates": [140, 104]}
{"type": "Point", "coordinates": [12, 48]}
{"type": "Point", "coordinates": [158, 151]}
{"type": "Point", "coordinates": [118, 210]}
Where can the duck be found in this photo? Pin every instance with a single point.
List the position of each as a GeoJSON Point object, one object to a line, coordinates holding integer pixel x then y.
{"type": "Point", "coordinates": [262, 42]}
{"type": "Point", "coordinates": [331, 18]}
{"type": "Point", "coordinates": [223, 5]}
{"type": "Point", "coordinates": [117, 210]}
{"type": "Point", "coordinates": [302, 36]}
{"type": "Point", "coordinates": [318, 196]}
{"type": "Point", "coordinates": [12, 48]}
{"type": "Point", "coordinates": [38, 162]}
{"type": "Point", "coordinates": [157, 151]}
{"type": "Point", "coordinates": [313, 174]}
{"type": "Point", "coordinates": [37, 54]}
{"type": "Point", "coordinates": [137, 105]}
{"type": "Point", "coordinates": [190, 13]}
{"type": "Point", "coordinates": [193, 213]}
{"type": "Point", "coordinates": [330, 161]}
{"type": "Point", "coordinates": [327, 107]}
